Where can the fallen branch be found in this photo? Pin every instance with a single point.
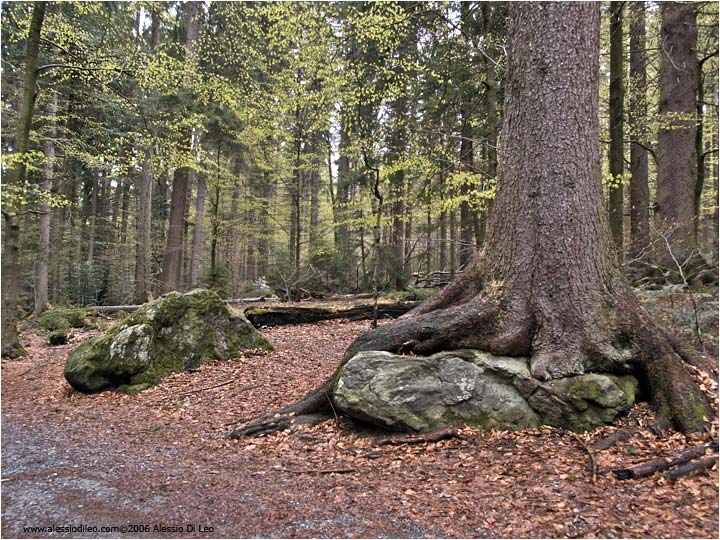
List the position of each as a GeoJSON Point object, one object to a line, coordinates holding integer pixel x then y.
{"type": "Point", "coordinates": [207, 388]}
{"type": "Point", "coordinates": [651, 467]}
{"type": "Point", "coordinates": [699, 465]}
{"type": "Point", "coordinates": [612, 440]}
{"type": "Point", "coordinates": [318, 471]}
{"type": "Point", "coordinates": [433, 436]}
{"type": "Point", "coordinates": [589, 452]}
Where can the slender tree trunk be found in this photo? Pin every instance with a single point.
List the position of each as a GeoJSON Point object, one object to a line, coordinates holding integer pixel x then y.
{"type": "Point", "coordinates": [295, 193]}
{"type": "Point", "coordinates": [491, 105]}
{"type": "Point", "coordinates": [41, 269]}
{"type": "Point", "coordinates": [617, 148]}
{"type": "Point", "coordinates": [215, 228]}
{"type": "Point", "coordinates": [198, 232]}
{"type": "Point", "coordinates": [234, 251]}
{"type": "Point", "coordinates": [10, 259]}
{"type": "Point", "coordinates": [637, 114]}
{"type": "Point", "coordinates": [343, 246]}
{"type": "Point", "coordinates": [314, 180]}
{"type": "Point", "coordinates": [675, 196]}
{"type": "Point", "coordinates": [443, 241]}
{"type": "Point", "coordinates": [144, 229]}
{"type": "Point", "coordinates": [467, 164]}
{"type": "Point", "coordinates": [452, 255]}
{"type": "Point", "coordinates": [263, 239]}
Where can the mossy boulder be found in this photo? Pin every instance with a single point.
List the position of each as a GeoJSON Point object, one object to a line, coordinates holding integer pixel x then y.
{"type": "Point", "coordinates": [58, 337]}
{"type": "Point", "coordinates": [420, 394]}
{"type": "Point", "coordinates": [175, 332]}
{"type": "Point", "coordinates": [62, 319]}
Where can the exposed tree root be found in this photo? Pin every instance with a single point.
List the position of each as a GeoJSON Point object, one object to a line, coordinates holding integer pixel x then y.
{"type": "Point", "coordinates": [620, 338]}
{"type": "Point", "coordinates": [279, 423]}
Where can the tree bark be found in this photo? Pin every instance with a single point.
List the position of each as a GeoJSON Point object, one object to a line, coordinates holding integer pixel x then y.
{"type": "Point", "coordinates": [617, 147]}
{"type": "Point", "coordinates": [637, 114]}
{"type": "Point", "coordinates": [676, 175]}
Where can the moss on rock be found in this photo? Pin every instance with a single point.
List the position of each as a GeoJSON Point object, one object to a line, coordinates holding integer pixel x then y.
{"type": "Point", "coordinates": [475, 387]}
{"type": "Point", "coordinates": [176, 332]}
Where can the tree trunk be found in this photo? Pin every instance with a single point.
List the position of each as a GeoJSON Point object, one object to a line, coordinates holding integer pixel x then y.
{"type": "Point", "coordinates": [171, 276]}
{"type": "Point", "coordinates": [491, 98]}
{"type": "Point", "coordinates": [467, 164]}
{"type": "Point", "coordinates": [443, 241]}
{"type": "Point", "coordinates": [198, 232]}
{"type": "Point", "coordinates": [637, 114]}
{"type": "Point", "coordinates": [676, 175]}
{"type": "Point", "coordinates": [346, 261]}
{"type": "Point", "coordinates": [295, 193]}
{"type": "Point", "coordinates": [466, 218]}
{"type": "Point", "coordinates": [172, 266]}
{"type": "Point", "coordinates": [10, 259]}
{"type": "Point", "coordinates": [314, 177]}
{"type": "Point", "coordinates": [144, 229]}
{"type": "Point", "coordinates": [547, 285]}
{"type": "Point", "coordinates": [617, 147]}
{"type": "Point", "coordinates": [41, 268]}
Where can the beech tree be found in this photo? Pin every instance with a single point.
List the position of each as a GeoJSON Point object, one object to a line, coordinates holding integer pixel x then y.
{"type": "Point", "coordinates": [547, 284]}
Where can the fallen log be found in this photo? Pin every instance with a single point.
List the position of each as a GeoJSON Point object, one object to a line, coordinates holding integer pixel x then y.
{"type": "Point", "coordinates": [699, 465]}
{"type": "Point", "coordinates": [285, 315]}
{"type": "Point", "coordinates": [134, 307]}
{"type": "Point", "coordinates": [651, 467]}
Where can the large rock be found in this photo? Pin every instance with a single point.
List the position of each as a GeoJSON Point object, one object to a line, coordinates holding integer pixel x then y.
{"type": "Point", "coordinates": [173, 333]}
{"type": "Point", "coordinates": [477, 388]}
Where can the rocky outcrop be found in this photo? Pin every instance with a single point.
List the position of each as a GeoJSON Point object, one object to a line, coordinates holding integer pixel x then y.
{"type": "Point", "coordinates": [173, 333]}
{"type": "Point", "coordinates": [477, 388]}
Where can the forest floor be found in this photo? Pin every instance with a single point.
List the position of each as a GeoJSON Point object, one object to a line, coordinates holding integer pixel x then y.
{"type": "Point", "coordinates": [163, 459]}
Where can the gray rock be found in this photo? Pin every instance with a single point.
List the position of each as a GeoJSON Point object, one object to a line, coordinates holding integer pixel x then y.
{"type": "Point", "coordinates": [173, 333]}
{"type": "Point", "coordinates": [477, 388]}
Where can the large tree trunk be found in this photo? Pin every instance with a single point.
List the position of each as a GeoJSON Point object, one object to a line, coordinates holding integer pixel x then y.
{"type": "Point", "coordinates": [617, 147]}
{"type": "Point", "coordinates": [547, 285]}
{"type": "Point", "coordinates": [10, 258]}
{"type": "Point", "coordinates": [675, 197]}
{"type": "Point", "coordinates": [637, 114]}
{"type": "Point", "coordinates": [172, 266]}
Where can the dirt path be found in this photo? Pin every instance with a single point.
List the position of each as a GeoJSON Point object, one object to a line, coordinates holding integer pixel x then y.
{"type": "Point", "coordinates": [162, 459]}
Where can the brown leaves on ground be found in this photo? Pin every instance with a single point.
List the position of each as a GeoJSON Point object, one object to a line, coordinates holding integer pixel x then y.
{"type": "Point", "coordinates": [334, 479]}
